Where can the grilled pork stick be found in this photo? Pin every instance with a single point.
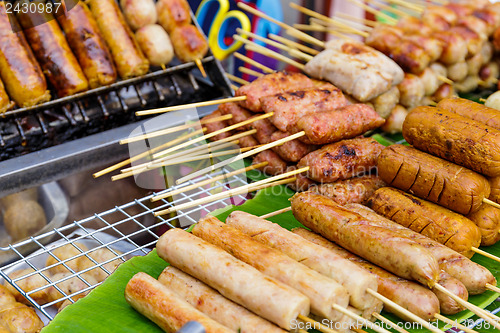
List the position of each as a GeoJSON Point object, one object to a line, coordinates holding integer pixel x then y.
{"type": "Point", "coordinates": [231, 277]}
{"type": "Point", "coordinates": [335, 125]}
{"type": "Point", "coordinates": [161, 305]}
{"type": "Point", "coordinates": [472, 275]}
{"type": "Point", "coordinates": [322, 291]}
{"type": "Point", "coordinates": [410, 295]}
{"type": "Point", "coordinates": [342, 160]}
{"type": "Point", "coordinates": [302, 183]}
{"type": "Point", "coordinates": [290, 106]}
{"type": "Point", "coordinates": [354, 279]}
{"type": "Point", "coordinates": [213, 304]}
{"type": "Point", "coordinates": [271, 84]}
{"type": "Point", "coordinates": [215, 126]}
{"type": "Point", "coordinates": [291, 151]}
{"type": "Point", "coordinates": [275, 166]}
{"type": "Point", "coordinates": [383, 247]}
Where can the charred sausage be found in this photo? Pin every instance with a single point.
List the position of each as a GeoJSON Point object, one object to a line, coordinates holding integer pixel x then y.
{"type": "Point", "coordinates": [342, 160]}
{"type": "Point", "coordinates": [87, 43]}
{"type": "Point", "coordinates": [53, 53]}
{"type": "Point", "coordinates": [128, 57]}
{"type": "Point", "coordinates": [382, 247]}
{"type": "Point", "coordinates": [436, 222]}
{"type": "Point", "coordinates": [432, 178]}
{"type": "Point", "coordinates": [335, 125]}
{"type": "Point", "coordinates": [458, 139]}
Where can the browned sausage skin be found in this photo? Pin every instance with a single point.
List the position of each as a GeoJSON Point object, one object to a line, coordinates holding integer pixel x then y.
{"type": "Point", "coordinates": [487, 218]}
{"type": "Point", "coordinates": [189, 44]}
{"type": "Point", "coordinates": [431, 220]}
{"type": "Point", "coordinates": [472, 110]}
{"type": "Point", "coordinates": [173, 13]}
{"type": "Point", "coordinates": [53, 53]}
{"type": "Point", "coordinates": [85, 40]}
{"type": "Point", "coordinates": [291, 151]}
{"type": "Point", "coordinates": [432, 178]}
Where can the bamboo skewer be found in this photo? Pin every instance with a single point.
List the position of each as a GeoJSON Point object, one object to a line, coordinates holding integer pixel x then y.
{"type": "Point", "coordinates": [275, 55]}
{"type": "Point", "coordinates": [376, 12]}
{"type": "Point", "coordinates": [445, 79]}
{"type": "Point", "coordinates": [207, 181]}
{"type": "Point", "coordinates": [240, 157]}
{"type": "Point", "coordinates": [355, 25]}
{"type": "Point", "coordinates": [147, 153]}
{"type": "Point", "coordinates": [491, 203]}
{"type": "Point", "coordinates": [471, 307]}
{"type": "Point", "coordinates": [248, 71]}
{"type": "Point", "coordinates": [191, 105]}
{"type": "Point", "coordinates": [277, 212]}
{"type": "Point", "coordinates": [233, 192]}
{"type": "Point", "coordinates": [452, 323]}
{"type": "Point", "coordinates": [211, 135]}
{"type": "Point", "coordinates": [493, 288]}
{"type": "Point", "coordinates": [338, 33]}
{"type": "Point", "coordinates": [321, 328]}
{"type": "Point", "coordinates": [403, 311]}
{"type": "Point", "coordinates": [388, 322]}
{"type": "Point", "coordinates": [175, 129]}
{"type": "Point", "coordinates": [486, 254]}
{"type": "Point", "coordinates": [253, 62]}
{"type": "Point", "coordinates": [366, 22]}
{"type": "Point", "coordinates": [296, 33]}
{"type": "Point", "coordinates": [393, 10]}
{"type": "Point", "coordinates": [200, 67]}
{"type": "Point", "coordinates": [360, 319]}
{"type": "Point", "coordinates": [237, 79]}
{"type": "Point", "coordinates": [327, 19]}
{"type": "Point", "coordinates": [412, 6]}
{"type": "Point", "coordinates": [234, 87]}
{"type": "Point", "coordinates": [293, 44]}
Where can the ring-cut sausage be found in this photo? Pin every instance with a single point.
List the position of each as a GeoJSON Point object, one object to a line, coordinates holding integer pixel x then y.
{"type": "Point", "coordinates": [469, 109]}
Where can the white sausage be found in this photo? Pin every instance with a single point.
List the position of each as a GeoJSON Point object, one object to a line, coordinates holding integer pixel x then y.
{"type": "Point", "coordinates": [139, 13]}
{"type": "Point", "coordinates": [231, 277]}
{"type": "Point", "coordinates": [155, 44]}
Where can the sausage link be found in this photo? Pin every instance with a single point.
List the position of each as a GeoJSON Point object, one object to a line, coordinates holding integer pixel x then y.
{"type": "Point", "coordinates": [472, 110]}
{"type": "Point", "coordinates": [382, 247]}
{"type": "Point", "coordinates": [128, 57]}
{"type": "Point", "coordinates": [291, 151]}
{"type": "Point", "coordinates": [302, 183]}
{"type": "Point", "coordinates": [213, 304]}
{"type": "Point", "coordinates": [189, 43]}
{"type": "Point", "coordinates": [342, 160]}
{"type": "Point", "coordinates": [155, 44]}
{"type": "Point", "coordinates": [322, 291]}
{"type": "Point", "coordinates": [85, 40]}
{"type": "Point", "coordinates": [173, 13]}
{"type": "Point", "coordinates": [495, 189]}
{"type": "Point", "coordinates": [431, 220]}
{"type": "Point", "coordinates": [247, 141]}
{"type": "Point", "coordinates": [455, 138]}
{"type": "Point", "coordinates": [289, 107]}
{"type": "Point", "coordinates": [161, 305]}
{"type": "Point", "coordinates": [271, 84]}
{"type": "Point", "coordinates": [139, 13]}
{"type": "Point", "coordinates": [432, 178]}
{"type": "Point", "coordinates": [354, 279]}
{"type": "Point", "coordinates": [231, 277]}
{"type": "Point", "coordinates": [353, 190]}
{"type": "Point", "coordinates": [264, 130]}
{"type": "Point", "coordinates": [212, 127]}
{"type": "Point", "coordinates": [53, 53]}
{"type": "Point", "coordinates": [410, 295]}
{"type": "Point", "coordinates": [335, 125]}
{"type": "Point", "coordinates": [472, 275]}
{"type": "Point", "coordinates": [275, 166]}
{"type": "Point", "coordinates": [487, 218]}
{"type": "Point", "coordinates": [239, 114]}
{"type": "Point", "coordinates": [5, 102]}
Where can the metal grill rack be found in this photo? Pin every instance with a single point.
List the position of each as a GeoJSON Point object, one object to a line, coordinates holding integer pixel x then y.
{"type": "Point", "coordinates": [110, 235]}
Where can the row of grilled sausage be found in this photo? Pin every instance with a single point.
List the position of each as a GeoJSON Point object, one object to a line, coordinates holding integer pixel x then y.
{"type": "Point", "coordinates": [88, 46]}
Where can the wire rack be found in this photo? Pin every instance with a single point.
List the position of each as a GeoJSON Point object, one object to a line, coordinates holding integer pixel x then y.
{"type": "Point", "coordinates": [122, 232]}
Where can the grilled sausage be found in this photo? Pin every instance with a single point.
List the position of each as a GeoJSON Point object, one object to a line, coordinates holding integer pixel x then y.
{"type": "Point", "coordinates": [432, 178]}
{"type": "Point", "coordinates": [231, 277]}
{"type": "Point", "coordinates": [5, 102]}
{"type": "Point", "coordinates": [432, 46]}
{"type": "Point", "coordinates": [487, 218]}
{"type": "Point", "coordinates": [411, 91]}
{"type": "Point", "coordinates": [189, 43]}
{"type": "Point", "coordinates": [173, 13]}
{"type": "Point", "coordinates": [455, 47]}
{"type": "Point", "coordinates": [302, 183]}
{"type": "Point", "coordinates": [19, 69]}
{"type": "Point", "coordinates": [128, 57]}
{"type": "Point", "coordinates": [458, 71]}
{"type": "Point", "coordinates": [411, 57]}
{"type": "Point", "coordinates": [458, 139]}
{"type": "Point", "coordinates": [322, 291]}
{"type": "Point", "coordinates": [87, 43]}
{"type": "Point", "coordinates": [394, 124]}
{"type": "Point", "coordinates": [53, 53]}
{"type": "Point", "coordinates": [444, 91]}
{"type": "Point", "coordinates": [290, 106]}
{"type": "Point", "coordinates": [239, 113]}
{"type": "Point", "coordinates": [332, 126]}
{"type": "Point", "coordinates": [410, 295]}
{"type": "Point", "coordinates": [472, 275]}
{"type": "Point", "coordinates": [213, 304]}
{"type": "Point", "coordinates": [383, 104]}
{"type": "Point", "coordinates": [264, 130]}
{"type": "Point", "coordinates": [275, 166]}
{"type": "Point", "coordinates": [354, 279]}
{"type": "Point", "coordinates": [271, 84]}
{"type": "Point", "coordinates": [162, 306]}
{"type": "Point", "coordinates": [495, 189]}
{"type": "Point", "coordinates": [382, 247]}
{"type": "Point", "coordinates": [291, 151]}
{"type": "Point", "coordinates": [342, 160]}
{"type": "Point", "coordinates": [139, 13]}
{"type": "Point", "coordinates": [215, 126]}
{"type": "Point", "coordinates": [353, 190]}
{"type": "Point", "coordinates": [472, 110]}
{"type": "Point", "coordinates": [431, 220]}
{"type": "Point", "coordinates": [155, 44]}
